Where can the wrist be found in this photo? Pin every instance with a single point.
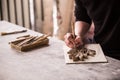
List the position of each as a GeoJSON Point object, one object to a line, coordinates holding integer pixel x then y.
{"type": "Point", "coordinates": [80, 36]}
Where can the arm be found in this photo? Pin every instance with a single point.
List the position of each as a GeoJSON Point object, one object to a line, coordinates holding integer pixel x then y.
{"type": "Point", "coordinates": [81, 28]}
{"type": "Point", "coordinates": [83, 21]}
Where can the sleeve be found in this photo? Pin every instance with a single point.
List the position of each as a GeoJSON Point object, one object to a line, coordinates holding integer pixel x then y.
{"type": "Point", "coordinates": [81, 13]}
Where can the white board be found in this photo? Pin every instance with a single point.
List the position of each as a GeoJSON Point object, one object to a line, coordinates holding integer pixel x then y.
{"type": "Point", "coordinates": [99, 57]}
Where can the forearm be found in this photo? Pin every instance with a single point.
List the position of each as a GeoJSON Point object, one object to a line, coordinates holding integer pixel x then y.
{"type": "Point", "coordinates": [81, 28]}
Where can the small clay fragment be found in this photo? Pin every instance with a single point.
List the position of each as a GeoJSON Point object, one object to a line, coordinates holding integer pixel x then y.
{"type": "Point", "coordinates": [91, 52]}
{"type": "Point", "coordinates": [82, 54]}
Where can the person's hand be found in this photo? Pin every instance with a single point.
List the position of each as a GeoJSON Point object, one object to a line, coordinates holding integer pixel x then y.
{"type": "Point", "coordinates": [72, 41]}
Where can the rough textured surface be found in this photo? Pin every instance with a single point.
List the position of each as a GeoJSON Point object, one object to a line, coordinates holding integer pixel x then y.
{"type": "Point", "coordinates": [99, 57]}
{"type": "Point", "coordinates": [47, 63]}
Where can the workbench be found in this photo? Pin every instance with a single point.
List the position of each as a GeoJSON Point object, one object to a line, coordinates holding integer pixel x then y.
{"type": "Point", "coordinates": [48, 63]}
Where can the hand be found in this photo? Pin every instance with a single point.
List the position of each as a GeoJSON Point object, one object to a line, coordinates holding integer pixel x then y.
{"type": "Point", "coordinates": [73, 42]}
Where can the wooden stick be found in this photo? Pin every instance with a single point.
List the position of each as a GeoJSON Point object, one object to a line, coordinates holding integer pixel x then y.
{"type": "Point", "coordinates": [23, 36]}
{"type": "Point", "coordinates": [73, 33]}
{"type": "Point", "coordinates": [73, 30]}
{"type": "Point", "coordinates": [14, 32]}
{"type": "Point", "coordinates": [26, 41]}
{"type": "Point", "coordinates": [41, 38]}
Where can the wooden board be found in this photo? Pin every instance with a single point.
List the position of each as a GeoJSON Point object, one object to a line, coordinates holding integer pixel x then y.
{"type": "Point", "coordinates": [19, 12]}
{"type": "Point", "coordinates": [12, 11]}
{"type": "Point", "coordinates": [99, 57]}
{"type": "Point", "coordinates": [26, 13]}
{"type": "Point", "coordinates": [4, 10]}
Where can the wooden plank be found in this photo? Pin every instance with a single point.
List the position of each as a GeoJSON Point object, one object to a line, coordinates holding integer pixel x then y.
{"type": "Point", "coordinates": [66, 8]}
{"type": "Point", "coordinates": [12, 11]}
{"type": "Point", "coordinates": [19, 13]}
{"type": "Point", "coordinates": [26, 13]}
{"type": "Point", "coordinates": [4, 10]}
{"type": "Point", "coordinates": [55, 20]}
{"type": "Point", "coordinates": [48, 12]}
{"type": "Point", "coordinates": [0, 11]}
{"type": "Point", "coordinates": [0, 15]}
{"type": "Point", "coordinates": [32, 18]}
{"type": "Point", "coordinates": [38, 15]}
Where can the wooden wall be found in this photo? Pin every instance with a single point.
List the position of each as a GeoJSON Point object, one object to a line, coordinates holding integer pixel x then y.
{"type": "Point", "coordinates": [66, 7]}
{"type": "Point", "coordinates": [18, 12]}
{"type": "Point", "coordinates": [48, 16]}
{"type": "Point", "coordinates": [44, 16]}
{"type": "Point", "coordinates": [38, 13]}
{"type": "Point", "coordinates": [15, 11]}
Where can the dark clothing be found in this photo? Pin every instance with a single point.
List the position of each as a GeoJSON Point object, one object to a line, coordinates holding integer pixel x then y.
{"type": "Point", "coordinates": [106, 17]}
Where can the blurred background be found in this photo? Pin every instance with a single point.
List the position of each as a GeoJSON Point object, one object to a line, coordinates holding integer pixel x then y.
{"type": "Point", "coordinates": [45, 16]}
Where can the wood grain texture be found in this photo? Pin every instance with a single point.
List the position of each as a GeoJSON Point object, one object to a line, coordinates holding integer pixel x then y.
{"type": "Point", "coordinates": [48, 21]}
{"type": "Point", "coordinates": [26, 13]}
{"type": "Point", "coordinates": [38, 15]}
{"type": "Point", "coordinates": [12, 11]}
{"type": "Point", "coordinates": [66, 8]}
{"type": "Point", "coordinates": [4, 10]}
{"type": "Point", "coordinates": [19, 12]}
{"type": "Point", "coordinates": [48, 63]}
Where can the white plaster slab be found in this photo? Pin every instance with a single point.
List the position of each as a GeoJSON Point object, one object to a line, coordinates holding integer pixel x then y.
{"type": "Point", "coordinates": [99, 57]}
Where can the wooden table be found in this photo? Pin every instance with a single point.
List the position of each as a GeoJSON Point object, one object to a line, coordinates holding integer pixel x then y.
{"type": "Point", "coordinates": [48, 63]}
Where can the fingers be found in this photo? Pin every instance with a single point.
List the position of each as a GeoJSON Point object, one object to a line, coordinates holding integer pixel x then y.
{"type": "Point", "coordinates": [68, 36]}
{"type": "Point", "coordinates": [71, 42]}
